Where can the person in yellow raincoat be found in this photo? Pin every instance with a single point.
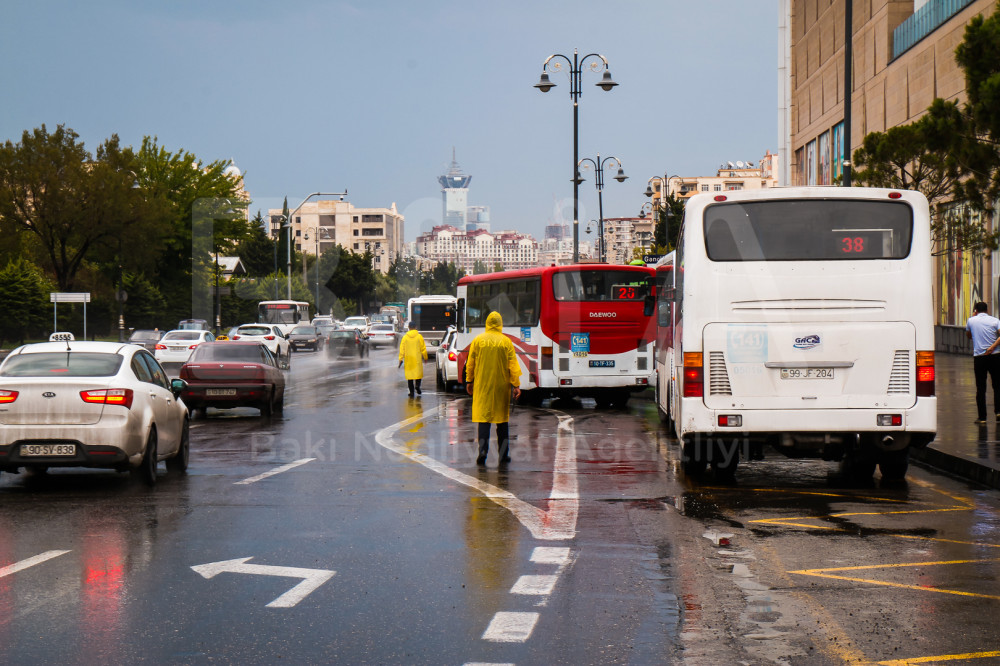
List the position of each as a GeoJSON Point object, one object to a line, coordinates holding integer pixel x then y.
{"type": "Point", "coordinates": [412, 354]}
{"type": "Point", "coordinates": [490, 373]}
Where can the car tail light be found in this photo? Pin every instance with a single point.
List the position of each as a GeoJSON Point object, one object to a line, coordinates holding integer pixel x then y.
{"type": "Point", "coordinates": [925, 373]}
{"type": "Point", "coordinates": [452, 356]}
{"type": "Point", "coordinates": [694, 382]}
{"type": "Point", "coordinates": [7, 397]}
{"type": "Point", "coordinates": [269, 337]}
{"type": "Point", "coordinates": [236, 337]}
{"type": "Point", "coordinates": [194, 345]}
{"type": "Point", "coordinates": [160, 346]}
{"type": "Point", "coordinates": [121, 397]}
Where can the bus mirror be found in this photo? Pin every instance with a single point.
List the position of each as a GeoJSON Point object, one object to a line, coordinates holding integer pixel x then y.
{"type": "Point", "coordinates": [460, 316]}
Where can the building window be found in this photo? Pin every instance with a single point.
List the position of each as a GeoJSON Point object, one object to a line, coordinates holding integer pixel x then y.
{"type": "Point", "coordinates": [704, 188]}
{"type": "Point", "coordinates": [355, 246]}
{"type": "Point", "coordinates": [375, 231]}
{"type": "Point", "coordinates": [824, 159]}
{"type": "Point", "coordinates": [717, 187]}
{"type": "Point", "coordinates": [838, 151]}
{"type": "Point", "coordinates": [355, 232]}
{"type": "Point", "coordinates": [298, 232]}
{"type": "Point", "coordinates": [811, 163]}
{"type": "Point", "coordinates": [298, 220]}
{"type": "Point", "coordinates": [734, 186]}
{"type": "Point", "coordinates": [371, 218]}
{"type": "Point", "coordinates": [355, 218]}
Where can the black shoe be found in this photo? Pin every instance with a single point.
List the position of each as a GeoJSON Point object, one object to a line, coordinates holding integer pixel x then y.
{"type": "Point", "coordinates": [411, 395]}
{"type": "Point", "coordinates": [419, 392]}
{"type": "Point", "coordinates": [505, 460]}
{"type": "Point", "coordinates": [481, 460]}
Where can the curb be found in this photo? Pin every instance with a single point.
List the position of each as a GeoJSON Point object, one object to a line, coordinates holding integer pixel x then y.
{"type": "Point", "coordinates": [967, 468]}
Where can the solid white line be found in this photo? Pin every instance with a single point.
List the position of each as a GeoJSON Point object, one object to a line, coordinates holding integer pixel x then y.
{"type": "Point", "coordinates": [550, 555]}
{"type": "Point", "coordinates": [506, 627]}
{"type": "Point", "coordinates": [276, 470]}
{"type": "Point", "coordinates": [30, 562]}
{"type": "Point", "coordinates": [540, 586]}
{"type": "Point", "coordinates": [558, 523]}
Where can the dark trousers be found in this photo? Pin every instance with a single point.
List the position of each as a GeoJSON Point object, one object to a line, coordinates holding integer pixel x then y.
{"type": "Point", "coordinates": [503, 443]}
{"type": "Point", "coordinates": [983, 365]}
{"type": "Point", "coordinates": [413, 384]}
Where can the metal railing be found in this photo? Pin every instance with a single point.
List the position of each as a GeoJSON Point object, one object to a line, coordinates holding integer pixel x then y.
{"type": "Point", "coordinates": [924, 21]}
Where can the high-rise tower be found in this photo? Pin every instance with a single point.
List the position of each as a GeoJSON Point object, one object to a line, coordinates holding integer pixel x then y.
{"type": "Point", "coordinates": [454, 195]}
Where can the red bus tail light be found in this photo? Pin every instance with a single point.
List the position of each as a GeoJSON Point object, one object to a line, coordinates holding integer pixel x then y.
{"type": "Point", "coordinates": [694, 377]}
{"type": "Point", "coordinates": [7, 397]}
{"type": "Point", "coordinates": [121, 397]}
{"type": "Point", "coordinates": [925, 373]}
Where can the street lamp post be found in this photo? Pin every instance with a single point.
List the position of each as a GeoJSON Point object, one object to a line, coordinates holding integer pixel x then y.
{"type": "Point", "coordinates": [662, 201]}
{"type": "Point", "coordinates": [620, 177]}
{"type": "Point", "coordinates": [291, 216]}
{"type": "Point", "coordinates": [316, 231]}
{"type": "Point", "coordinates": [575, 90]}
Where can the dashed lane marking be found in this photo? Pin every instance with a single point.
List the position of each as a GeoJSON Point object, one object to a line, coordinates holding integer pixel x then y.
{"type": "Point", "coordinates": [276, 470]}
{"type": "Point", "coordinates": [510, 627]}
{"type": "Point", "coordinates": [535, 585]}
{"type": "Point", "coordinates": [550, 555]}
{"type": "Point", "coordinates": [30, 562]}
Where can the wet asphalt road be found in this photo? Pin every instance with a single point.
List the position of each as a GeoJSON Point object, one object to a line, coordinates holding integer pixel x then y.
{"type": "Point", "coordinates": [590, 548]}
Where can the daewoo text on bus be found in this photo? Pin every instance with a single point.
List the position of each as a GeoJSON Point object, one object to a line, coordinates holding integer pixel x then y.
{"type": "Point", "coordinates": [799, 318]}
{"type": "Point", "coordinates": [582, 330]}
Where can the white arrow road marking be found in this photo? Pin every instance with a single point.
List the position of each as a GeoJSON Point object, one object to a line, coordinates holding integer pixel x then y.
{"type": "Point", "coordinates": [312, 578]}
{"type": "Point", "coordinates": [276, 470]}
{"type": "Point", "coordinates": [558, 523]}
{"type": "Point", "coordinates": [30, 562]}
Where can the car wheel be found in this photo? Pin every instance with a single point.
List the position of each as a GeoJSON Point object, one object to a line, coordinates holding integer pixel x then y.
{"type": "Point", "coordinates": [267, 406]}
{"type": "Point", "coordinates": [439, 379]}
{"type": "Point", "coordinates": [146, 471]}
{"type": "Point", "coordinates": [179, 463]}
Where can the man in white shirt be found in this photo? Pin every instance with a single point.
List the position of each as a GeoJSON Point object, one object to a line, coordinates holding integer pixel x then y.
{"type": "Point", "coordinates": [982, 329]}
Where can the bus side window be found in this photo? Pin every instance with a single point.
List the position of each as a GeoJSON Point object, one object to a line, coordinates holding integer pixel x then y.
{"type": "Point", "coordinates": [460, 316]}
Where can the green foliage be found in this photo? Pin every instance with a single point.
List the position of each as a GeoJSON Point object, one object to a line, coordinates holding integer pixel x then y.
{"type": "Point", "coordinates": [668, 226]}
{"type": "Point", "coordinates": [443, 278]}
{"type": "Point", "coordinates": [351, 279]}
{"type": "Point", "coordinates": [479, 267]}
{"type": "Point", "coordinates": [24, 301]}
{"type": "Point", "coordinates": [404, 274]}
{"type": "Point", "coordinates": [256, 250]}
{"type": "Point", "coordinates": [144, 306]}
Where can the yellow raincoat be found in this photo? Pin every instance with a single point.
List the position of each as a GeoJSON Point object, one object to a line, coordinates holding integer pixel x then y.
{"type": "Point", "coordinates": [493, 369]}
{"type": "Point", "coordinates": [413, 353]}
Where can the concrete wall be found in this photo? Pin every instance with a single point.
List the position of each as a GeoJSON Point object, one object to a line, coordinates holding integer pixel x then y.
{"type": "Point", "coordinates": [952, 339]}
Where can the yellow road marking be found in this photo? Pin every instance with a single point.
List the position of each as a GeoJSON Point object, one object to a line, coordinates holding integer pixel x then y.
{"type": "Point", "coordinates": [962, 543]}
{"type": "Point", "coordinates": [823, 573]}
{"type": "Point", "coordinates": [941, 657]}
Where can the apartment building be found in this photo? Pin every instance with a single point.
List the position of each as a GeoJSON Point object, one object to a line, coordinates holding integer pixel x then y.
{"type": "Point", "coordinates": [464, 248]}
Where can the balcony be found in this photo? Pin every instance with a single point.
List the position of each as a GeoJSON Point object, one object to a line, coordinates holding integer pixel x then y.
{"type": "Point", "coordinates": [923, 22]}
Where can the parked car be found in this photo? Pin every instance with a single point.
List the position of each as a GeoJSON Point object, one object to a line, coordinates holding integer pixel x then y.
{"type": "Point", "coordinates": [90, 404]}
{"type": "Point", "coordinates": [271, 337]}
{"type": "Point", "coordinates": [176, 346]}
{"type": "Point", "coordinates": [306, 337]}
{"type": "Point", "coordinates": [382, 335]}
{"type": "Point", "coordinates": [347, 342]}
{"type": "Point", "coordinates": [360, 323]}
{"type": "Point", "coordinates": [146, 337]}
{"type": "Point", "coordinates": [233, 374]}
{"type": "Point", "coordinates": [446, 358]}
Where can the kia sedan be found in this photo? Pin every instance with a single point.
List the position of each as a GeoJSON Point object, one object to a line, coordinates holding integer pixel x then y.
{"type": "Point", "coordinates": [176, 346]}
{"type": "Point", "coordinates": [233, 374]}
{"type": "Point", "coordinates": [90, 404]}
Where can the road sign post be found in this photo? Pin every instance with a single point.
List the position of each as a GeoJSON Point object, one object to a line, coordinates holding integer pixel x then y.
{"type": "Point", "coordinates": [57, 297]}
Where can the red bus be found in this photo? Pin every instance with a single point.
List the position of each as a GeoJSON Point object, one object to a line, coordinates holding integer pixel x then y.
{"type": "Point", "coordinates": [584, 330]}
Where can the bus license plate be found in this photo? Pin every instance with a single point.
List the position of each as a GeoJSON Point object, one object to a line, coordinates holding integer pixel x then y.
{"type": "Point", "coordinates": [602, 364]}
{"type": "Point", "coordinates": [231, 391]}
{"type": "Point", "coordinates": [48, 449]}
{"type": "Point", "coordinates": [807, 373]}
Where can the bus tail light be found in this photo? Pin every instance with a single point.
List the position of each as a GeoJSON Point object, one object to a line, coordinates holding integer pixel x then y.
{"type": "Point", "coordinates": [546, 358]}
{"type": "Point", "coordinates": [730, 420]}
{"type": "Point", "coordinates": [925, 373]}
{"type": "Point", "coordinates": [269, 337]}
{"type": "Point", "coordinates": [236, 337]}
{"type": "Point", "coordinates": [643, 381]}
{"type": "Point", "coordinates": [889, 419]}
{"type": "Point", "coordinates": [452, 356]}
{"type": "Point", "coordinates": [565, 382]}
{"type": "Point", "coordinates": [694, 381]}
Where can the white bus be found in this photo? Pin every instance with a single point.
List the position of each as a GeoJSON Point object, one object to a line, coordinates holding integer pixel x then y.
{"type": "Point", "coordinates": [433, 314]}
{"type": "Point", "coordinates": [582, 330]}
{"type": "Point", "coordinates": [799, 318]}
{"type": "Point", "coordinates": [286, 315]}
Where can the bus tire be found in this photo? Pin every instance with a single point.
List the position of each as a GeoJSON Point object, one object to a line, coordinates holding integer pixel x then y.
{"type": "Point", "coordinates": [859, 466]}
{"type": "Point", "coordinates": [893, 464]}
{"type": "Point", "coordinates": [693, 457]}
{"type": "Point", "coordinates": [725, 460]}
{"type": "Point", "coordinates": [620, 399]}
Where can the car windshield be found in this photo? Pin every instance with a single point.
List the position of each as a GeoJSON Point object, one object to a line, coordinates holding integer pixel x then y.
{"type": "Point", "coordinates": [227, 352]}
{"type": "Point", "coordinates": [145, 335]}
{"type": "Point", "coordinates": [254, 330]}
{"type": "Point", "coordinates": [62, 364]}
{"type": "Point", "coordinates": [183, 335]}
{"type": "Point", "coordinates": [304, 330]}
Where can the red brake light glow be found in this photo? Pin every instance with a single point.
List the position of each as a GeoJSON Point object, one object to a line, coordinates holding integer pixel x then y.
{"type": "Point", "coordinates": [121, 397]}
{"type": "Point", "coordinates": [193, 346]}
{"type": "Point", "coordinates": [452, 356]}
{"type": "Point", "coordinates": [269, 337]}
{"type": "Point", "coordinates": [236, 337]}
{"type": "Point", "coordinates": [925, 373]}
{"type": "Point", "coordinates": [895, 195]}
{"type": "Point", "coordinates": [160, 346]}
{"type": "Point", "coordinates": [7, 397]}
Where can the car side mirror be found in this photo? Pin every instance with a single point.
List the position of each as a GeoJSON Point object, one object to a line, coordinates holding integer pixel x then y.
{"type": "Point", "coordinates": [177, 386]}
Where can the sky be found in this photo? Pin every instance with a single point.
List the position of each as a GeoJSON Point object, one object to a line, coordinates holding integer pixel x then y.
{"type": "Point", "coordinates": [372, 96]}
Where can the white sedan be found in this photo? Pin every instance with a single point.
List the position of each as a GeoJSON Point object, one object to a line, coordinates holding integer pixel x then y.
{"type": "Point", "coordinates": [177, 345]}
{"type": "Point", "coordinates": [90, 404]}
{"type": "Point", "coordinates": [271, 337]}
{"type": "Point", "coordinates": [446, 358]}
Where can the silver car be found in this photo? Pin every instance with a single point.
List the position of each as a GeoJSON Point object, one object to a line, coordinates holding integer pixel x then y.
{"type": "Point", "coordinates": [176, 346]}
{"type": "Point", "coordinates": [90, 404]}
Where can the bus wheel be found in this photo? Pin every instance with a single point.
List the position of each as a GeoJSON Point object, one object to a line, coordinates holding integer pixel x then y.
{"type": "Point", "coordinates": [693, 457]}
{"type": "Point", "coordinates": [893, 464]}
{"type": "Point", "coordinates": [620, 399]}
{"type": "Point", "coordinates": [859, 466]}
{"type": "Point", "coordinates": [725, 459]}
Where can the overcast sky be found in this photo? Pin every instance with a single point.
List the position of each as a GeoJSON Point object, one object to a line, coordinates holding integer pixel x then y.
{"type": "Point", "coordinates": [371, 96]}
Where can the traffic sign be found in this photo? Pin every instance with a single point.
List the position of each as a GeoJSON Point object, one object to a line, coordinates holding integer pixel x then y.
{"type": "Point", "coordinates": [651, 258]}
{"type": "Point", "coordinates": [69, 297]}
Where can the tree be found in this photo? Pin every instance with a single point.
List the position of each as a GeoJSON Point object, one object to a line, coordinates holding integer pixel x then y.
{"type": "Point", "coordinates": [479, 267]}
{"type": "Point", "coordinates": [351, 277]}
{"type": "Point", "coordinates": [444, 277]}
{"type": "Point", "coordinates": [404, 271]}
{"type": "Point", "coordinates": [668, 227]}
{"type": "Point", "coordinates": [24, 300]}
{"type": "Point", "coordinates": [257, 251]}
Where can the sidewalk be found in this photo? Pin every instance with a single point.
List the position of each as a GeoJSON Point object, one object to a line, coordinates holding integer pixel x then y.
{"type": "Point", "coordinates": [962, 447]}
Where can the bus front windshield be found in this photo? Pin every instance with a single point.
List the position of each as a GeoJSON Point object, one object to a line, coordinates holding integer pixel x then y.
{"type": "Point", "coordinates": [601, 285]}
{"type": "Point", "coordinates": [808, 230]}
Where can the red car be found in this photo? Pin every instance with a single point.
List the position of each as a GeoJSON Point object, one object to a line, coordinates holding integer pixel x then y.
{"type": "Point", "coordinates": [233, 374]}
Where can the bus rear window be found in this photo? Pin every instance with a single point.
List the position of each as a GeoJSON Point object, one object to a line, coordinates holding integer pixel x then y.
{"type": "Point", "coordinates": [808, 230]}
{"type": "Point", "coordinates": [599, 285]}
